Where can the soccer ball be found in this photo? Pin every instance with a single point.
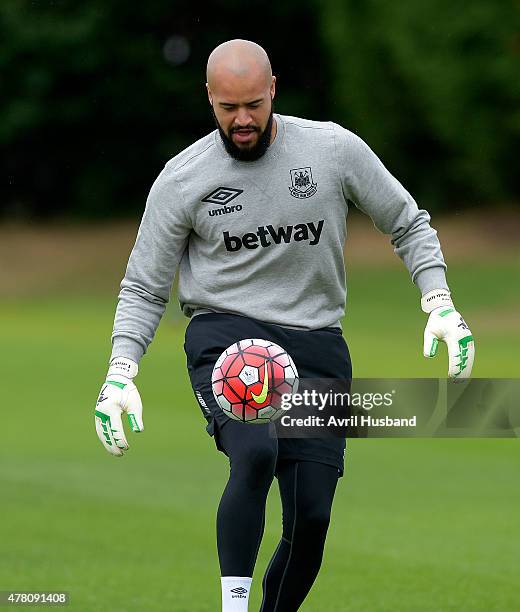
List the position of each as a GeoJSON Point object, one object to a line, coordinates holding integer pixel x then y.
{"type": "Point", "coordinates": [249, 379]}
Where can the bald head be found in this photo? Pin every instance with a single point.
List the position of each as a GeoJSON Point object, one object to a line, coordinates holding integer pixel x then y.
{"type": "Point", "coordinates": [241, 89]}
{"type": "Point", "coordinates": [238, 59]}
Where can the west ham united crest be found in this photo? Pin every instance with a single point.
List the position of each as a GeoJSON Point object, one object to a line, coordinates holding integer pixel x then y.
{"type": "Point", "coordinates": [302, 184]}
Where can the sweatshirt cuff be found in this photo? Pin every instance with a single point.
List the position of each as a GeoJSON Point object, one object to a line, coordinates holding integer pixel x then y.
{"type": "Point", "coordinates": [123, 346]}
{"type": "Point", "coordinates": [431, 278]}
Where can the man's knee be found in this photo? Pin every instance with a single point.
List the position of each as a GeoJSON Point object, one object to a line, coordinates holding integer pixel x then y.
{"type": "Point", "coordinates": [313, 519]}
{"type": "Point", "coordinates": [255, 462]}
{"type": "Point", "coordinates": [261, 458]}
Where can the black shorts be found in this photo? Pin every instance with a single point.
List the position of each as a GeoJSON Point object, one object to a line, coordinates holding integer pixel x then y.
{"type": "Point", "coordinates": [321, 353]}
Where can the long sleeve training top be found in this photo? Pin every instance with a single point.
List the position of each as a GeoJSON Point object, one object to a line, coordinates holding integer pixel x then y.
{"type": "Point", "coordinates": [265, 239]}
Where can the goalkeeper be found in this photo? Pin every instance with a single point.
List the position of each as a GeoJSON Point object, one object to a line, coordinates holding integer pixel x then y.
{"type": "Point", "coordinates": [254, 215]}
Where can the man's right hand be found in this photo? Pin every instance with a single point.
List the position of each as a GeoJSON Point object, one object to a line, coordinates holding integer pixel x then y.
{"type": "Point", "coordinates": [118, 394]}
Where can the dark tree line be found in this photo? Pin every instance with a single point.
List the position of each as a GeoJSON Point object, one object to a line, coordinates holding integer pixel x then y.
{"type": "Point", "coordinates": [96, 96]}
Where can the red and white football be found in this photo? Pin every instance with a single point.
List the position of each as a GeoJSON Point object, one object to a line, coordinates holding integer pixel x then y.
{"type": "Point", "coordinates": [249, 379]}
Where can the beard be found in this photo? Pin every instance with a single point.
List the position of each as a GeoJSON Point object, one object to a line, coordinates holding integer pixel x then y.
{"type": "Point", "coordinates": [250, 153]}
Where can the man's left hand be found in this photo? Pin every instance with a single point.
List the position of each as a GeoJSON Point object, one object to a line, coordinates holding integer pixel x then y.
{"type": "Point", "coordinates": [447, 325]}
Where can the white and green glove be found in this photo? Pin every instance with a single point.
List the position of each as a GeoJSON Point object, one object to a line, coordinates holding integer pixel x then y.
{"type": "Point", "coordinates": [118, 394]}
{"type": "Point", "coordinates": [446, 324]}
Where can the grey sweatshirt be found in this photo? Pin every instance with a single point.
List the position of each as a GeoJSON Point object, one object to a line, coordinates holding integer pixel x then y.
{"type": "Point", "coordinates": [265, 239]}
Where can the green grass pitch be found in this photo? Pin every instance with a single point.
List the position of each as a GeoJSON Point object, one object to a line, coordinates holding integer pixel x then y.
{"type": "Point", "coordinates": [423, 525]}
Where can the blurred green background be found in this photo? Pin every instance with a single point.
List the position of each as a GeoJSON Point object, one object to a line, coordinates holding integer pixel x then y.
{"type": "Point", "coordinates": [95, 98]}
{"type": "Point", "coordinates": [96, 95]}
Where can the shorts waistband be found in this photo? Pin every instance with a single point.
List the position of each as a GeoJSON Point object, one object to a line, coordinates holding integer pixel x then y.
{"type": "Point", "coordinates": [335, 327]}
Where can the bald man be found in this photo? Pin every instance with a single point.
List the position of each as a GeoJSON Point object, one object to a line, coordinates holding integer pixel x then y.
{"type": "Point", "coordinates": [254, 215]}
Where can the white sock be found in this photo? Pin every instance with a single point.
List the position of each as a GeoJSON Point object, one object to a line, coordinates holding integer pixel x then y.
{"type": "Point", "coordinates": [235, 593]}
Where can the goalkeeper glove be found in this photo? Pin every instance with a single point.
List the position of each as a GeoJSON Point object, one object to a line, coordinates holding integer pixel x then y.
{"type": "Point", "coordinates": [118, 394]}
{"type": "Point", "coordinates": [446, 324]}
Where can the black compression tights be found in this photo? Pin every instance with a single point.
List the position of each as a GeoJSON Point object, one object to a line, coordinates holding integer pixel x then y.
{"type": "Point", "coordinates": [307, 490]}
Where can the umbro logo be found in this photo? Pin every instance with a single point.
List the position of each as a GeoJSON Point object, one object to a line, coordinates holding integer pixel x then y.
{"type": "Point", "coordinates": [201, 400]}
{"type": "Point", "coordinates": [239, 593]}
{"type": "Point", "coordinates": [239, 590]}
{"type": "Point", "coordinates": [223, 196]}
